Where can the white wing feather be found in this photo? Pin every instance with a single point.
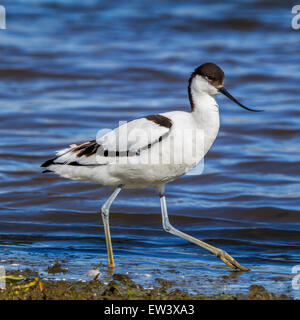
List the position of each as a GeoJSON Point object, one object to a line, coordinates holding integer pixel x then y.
{"type": "Point", "coordinates": [132, 137]}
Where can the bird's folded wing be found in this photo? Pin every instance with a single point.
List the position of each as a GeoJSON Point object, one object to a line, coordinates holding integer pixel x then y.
{"type": "Point", "coordinates": [129, 139]}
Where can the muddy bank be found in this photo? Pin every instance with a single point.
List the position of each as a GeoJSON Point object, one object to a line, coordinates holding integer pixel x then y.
{"type": "Point", "coordinates": [27, 285]}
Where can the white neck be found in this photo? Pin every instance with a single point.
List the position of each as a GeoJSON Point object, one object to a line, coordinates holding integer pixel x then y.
{"type": "Point", "coordinates": [201, 95]}
{"type": "Point", "coordinates": [205, 111]}
{"type": "Point", "coordinates": [202, 102]}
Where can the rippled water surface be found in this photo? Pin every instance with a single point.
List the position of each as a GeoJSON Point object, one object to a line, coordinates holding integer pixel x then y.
{"type": "Point", "coordinates": [70, 68]}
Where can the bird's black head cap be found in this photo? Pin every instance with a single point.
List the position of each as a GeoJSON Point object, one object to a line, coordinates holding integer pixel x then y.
{"type": "Point", "coordinates": [212, 73]}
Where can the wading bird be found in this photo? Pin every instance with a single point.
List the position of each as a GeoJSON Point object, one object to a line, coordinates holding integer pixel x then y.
{"type": "Point", "coordinates": [120, 158]}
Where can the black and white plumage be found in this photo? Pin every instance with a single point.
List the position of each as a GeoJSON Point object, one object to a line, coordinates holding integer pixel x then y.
{"type": "Point", "coordinates": [121, 156]}
{"type": "Point", "coordinates": [133, 155]}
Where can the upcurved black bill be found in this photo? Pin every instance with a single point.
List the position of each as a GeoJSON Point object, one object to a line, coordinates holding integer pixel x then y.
{"type": "Point", "coordinates": [227, 94]}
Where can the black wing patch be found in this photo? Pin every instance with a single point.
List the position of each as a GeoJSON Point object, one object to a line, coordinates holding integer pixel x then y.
{"type": "Point", "coordinates": [86, 149]}
{"type": "Point", "coordinates": [160, 120]}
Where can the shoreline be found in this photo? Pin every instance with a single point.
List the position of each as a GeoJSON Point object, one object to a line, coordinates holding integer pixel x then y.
{"type": "Point", "coordinates": [27, 285]}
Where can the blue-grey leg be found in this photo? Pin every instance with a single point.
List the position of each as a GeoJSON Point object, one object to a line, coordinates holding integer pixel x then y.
{"type": "Point", "coordinates": [105, 218]}
{"type": "Point", "coordinates": [223, 255]}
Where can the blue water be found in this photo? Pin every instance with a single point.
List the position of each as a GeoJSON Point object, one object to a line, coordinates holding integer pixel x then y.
{"type": "Point", "coordinates": [70, 68]}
